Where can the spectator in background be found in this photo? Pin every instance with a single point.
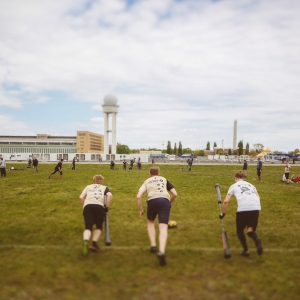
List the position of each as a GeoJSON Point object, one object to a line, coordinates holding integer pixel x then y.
{"type": "Point", "coordinates": [259, 168]}
{"type": "Point", "coordinates": [245, 167]}
{"type": "Point", "coordinates": [3, 167]}
{"type": "Point", "coordinates": [73, 163]}
{"type": "Point", "coordinates": [35, 163]}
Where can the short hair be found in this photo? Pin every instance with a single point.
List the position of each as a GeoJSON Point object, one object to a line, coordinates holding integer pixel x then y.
{"type": "Point", "coordinates": [239, 175]}
{"type": "Point", "coordinates": [98, 179]}
{"type": "Point", "coordinates": [154, 170]}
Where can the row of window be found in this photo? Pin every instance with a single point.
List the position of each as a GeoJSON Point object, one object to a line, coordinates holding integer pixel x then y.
{"type": "Point", "coordinates": [36, 150]}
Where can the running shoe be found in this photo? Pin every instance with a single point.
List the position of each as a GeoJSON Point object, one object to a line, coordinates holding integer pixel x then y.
{"type": "Point", "coordinates": [94, 247]}
{"type": "Point", "coordinates": [85, 250]}
{"type": "Point", "coordinates": [161, 259]}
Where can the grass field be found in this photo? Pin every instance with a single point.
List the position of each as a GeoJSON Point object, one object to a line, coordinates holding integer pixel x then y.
{"type": "Point", "coordinates": [42, 225]}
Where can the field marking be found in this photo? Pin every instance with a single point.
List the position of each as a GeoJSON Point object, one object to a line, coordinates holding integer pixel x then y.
{"type": "Point", "coordinates": [120, 248]}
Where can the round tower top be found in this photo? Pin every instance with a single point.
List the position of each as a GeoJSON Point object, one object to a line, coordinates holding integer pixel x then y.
{"type": "Point", "coordinates": [110, 100]}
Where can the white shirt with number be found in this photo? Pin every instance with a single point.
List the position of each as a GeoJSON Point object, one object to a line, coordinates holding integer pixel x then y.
{"type": "Point", "coordinates": [94, 194]}
{"type": "Point", "coordinates": [245, 194]}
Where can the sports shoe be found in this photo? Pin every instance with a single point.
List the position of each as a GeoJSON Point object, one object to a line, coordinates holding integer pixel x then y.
{"type": "Point", "coordinates": [94, 247]}
{"type": "Point", "coordinates": [161, 258]}
{"type": "Point", "coordinates": [153, 249]}
{"type": "Point", "coordinates": [259, 247]}
{"type": "Point", "coordinates": [85, 250]}
{"type": "Point", "coordinates": [244, 253]}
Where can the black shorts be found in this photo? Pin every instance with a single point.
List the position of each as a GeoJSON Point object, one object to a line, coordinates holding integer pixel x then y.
{"type": "Point", "coordinates": [258, 172]}
{"type": "Point", "coordinates": [247, 219]}
{"type": "Point", "coordinates": [93, 214]}
{"type": "Point", "coordinates": [160, 207]}
{"type": "Point", "coordinates": [56, 170]}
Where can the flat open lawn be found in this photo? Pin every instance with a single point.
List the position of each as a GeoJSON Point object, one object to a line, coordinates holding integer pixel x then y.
{"type": "Point", "coordinates": [41, 238]}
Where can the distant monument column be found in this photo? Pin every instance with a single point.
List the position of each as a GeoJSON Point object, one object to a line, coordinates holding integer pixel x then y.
{"type": "Point", "coordinates": [234, 134]}
{"type": "Point", "coordinates": [110, 107]}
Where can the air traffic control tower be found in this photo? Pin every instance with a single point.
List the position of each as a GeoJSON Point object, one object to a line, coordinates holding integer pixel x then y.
{"type": "Point", "coordinates": [110, 107]}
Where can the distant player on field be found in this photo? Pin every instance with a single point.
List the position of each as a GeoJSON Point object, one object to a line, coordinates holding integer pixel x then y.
{"type": "Point", "coordinates": [58, 168]}
{"type": "Point", "coordinates": [248, 208]}
{"type": "Point", "coordinates": [245, 167]}
{"type": "Point", "coordinates": [35, 163]}
{"type": "Point", "coordinates": [73, 163]}
{"type": "Point", "coordinates": [259, 169]}
{"type": "Point", "coordinates": [158, 203]}
{"type": "Point", "coordinates": [92, 198]}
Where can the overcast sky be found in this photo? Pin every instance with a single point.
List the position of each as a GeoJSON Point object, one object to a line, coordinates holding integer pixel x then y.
{"type": "Point", "coordinates": [182, 70]}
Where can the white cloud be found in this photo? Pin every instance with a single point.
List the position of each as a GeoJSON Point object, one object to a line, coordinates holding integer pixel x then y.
{"type": "Point", "coordinates": [182, 70]}
{"type": "Point", "coordinates": [10, 126]}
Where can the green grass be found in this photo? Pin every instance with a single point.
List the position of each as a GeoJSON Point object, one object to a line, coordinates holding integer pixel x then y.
{"type": "Point", "coordinates": [42, 224]}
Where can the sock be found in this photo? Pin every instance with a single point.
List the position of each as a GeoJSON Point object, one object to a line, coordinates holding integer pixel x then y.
{"type": "Point", "coordinates": [252, 235]}
{"type": "Point", "coordinates": [243, 241]}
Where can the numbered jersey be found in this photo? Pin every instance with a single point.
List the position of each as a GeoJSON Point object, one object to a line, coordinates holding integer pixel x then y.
{"type": "Point", "coordinates": [156, 187]}
{"type": "Point", "coordinates": [94, 194]}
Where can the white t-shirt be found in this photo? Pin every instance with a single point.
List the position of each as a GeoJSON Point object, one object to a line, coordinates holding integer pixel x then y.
{"type": "Point", "coordinates": [94, 194]}
{"type": "Point", "coordinates": [245, 194]}
{"type": "Point", "coordinates": [2, 163]}
{"type": "Point", "coordinates": [156, 187]}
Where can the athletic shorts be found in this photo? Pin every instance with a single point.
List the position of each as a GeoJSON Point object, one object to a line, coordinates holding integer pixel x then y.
{"type": "Point", "coordinates": [56, 170]}
{"type": "Point", "coordinates": [160, 207]}
{"type": "Point", "coordinates": [93, 214]}
{"type": "Point", "coordinates": [287, 175]}
{"type": "Point", "coordinates": [247, 219]}
{"type": "Point", "coordinates": [258, 172]}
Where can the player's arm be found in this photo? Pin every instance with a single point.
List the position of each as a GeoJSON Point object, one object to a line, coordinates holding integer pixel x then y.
{"type": "Point", "coordinates": [139, 201]}
{"type": "Point", "coordinates": [225, 203]}
{"type": "Point", "coordinates": [172, 190]}
{"type": "Point", "coordinates": [173, 194]}
{"type": "Point", "coordinates": [108, 198]}
{"type": "Point", "coordinates": [82, 196]}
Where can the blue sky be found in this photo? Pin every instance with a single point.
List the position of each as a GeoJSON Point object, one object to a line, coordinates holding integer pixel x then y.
{"type": "Point", "coordinates": [181, 70]}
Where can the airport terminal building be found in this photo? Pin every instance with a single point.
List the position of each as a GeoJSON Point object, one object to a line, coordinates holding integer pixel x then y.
{"type": "Point", "coordinates": [84, 146]}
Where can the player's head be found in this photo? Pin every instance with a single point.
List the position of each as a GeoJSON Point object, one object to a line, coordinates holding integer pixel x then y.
{"type": "Point", "coordinates": [98, 179]}
{"type": "Point", "coordinates": [154, 171]}
{"type": "Point", "coordinates": [239, 175]}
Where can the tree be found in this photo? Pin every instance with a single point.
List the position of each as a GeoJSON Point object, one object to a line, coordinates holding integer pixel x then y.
{"type": "Point", "coordinates": [123, 149]}
{"type": "Point", "coordinates": [258, 147]}
{"type": "Point", "coordinates": [175, 149]}
{"type": "Point", "coordinates": [169, 148]}
{"type": "Point", "coordinates": [199, 152]}
{"type": "Point", "coordinates": [215, 144]}
{"type": "Point", "coordinates": [247, 148]}
{"type": "Point", "coordinates": [296, 151]}
{"type": "Point", "coordinates": [187, 150]}
{"type": "Point", "coordinates": [208, 146]}
{"type": "Point", "coordinates": [240, 148]}
{"type": "Point", "coordinates": [179, 148]}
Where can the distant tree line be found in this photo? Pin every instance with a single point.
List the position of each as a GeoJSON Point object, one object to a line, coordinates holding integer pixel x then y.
{"type": "Point", "coordinates": [257, 148]}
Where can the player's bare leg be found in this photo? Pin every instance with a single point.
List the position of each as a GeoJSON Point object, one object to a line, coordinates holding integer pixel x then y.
{"type": "Point", "coordinates": [151, 234]}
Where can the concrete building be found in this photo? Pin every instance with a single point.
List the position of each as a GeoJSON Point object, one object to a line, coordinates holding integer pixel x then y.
{"type": "Point", "coordinates": [89, 142]}
{"type": "Point", "coordinates": [84, 146]}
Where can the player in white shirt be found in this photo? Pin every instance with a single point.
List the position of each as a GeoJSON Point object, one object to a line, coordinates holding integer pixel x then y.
{"type": "Point", "coordinates": [158, 204]}
{"type": "Point", "coordinates": [92, 199]}
{"type": "Point", "coordinates": [248, 207]}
